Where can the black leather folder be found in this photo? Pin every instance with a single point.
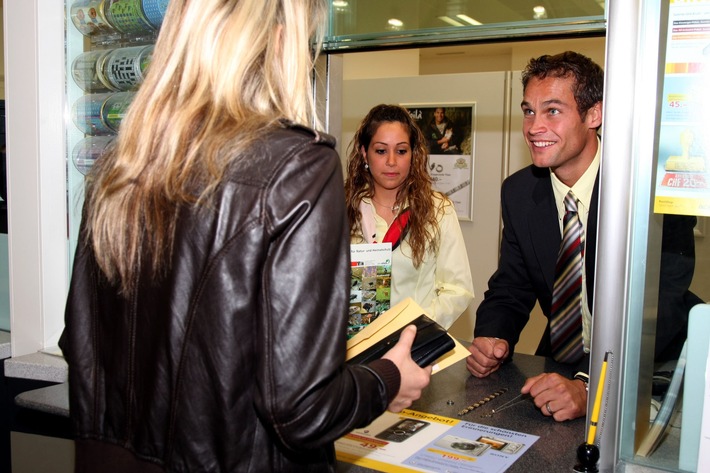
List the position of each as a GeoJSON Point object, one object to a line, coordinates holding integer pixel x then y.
{"type": "Point", "coordinates": [432, 341]}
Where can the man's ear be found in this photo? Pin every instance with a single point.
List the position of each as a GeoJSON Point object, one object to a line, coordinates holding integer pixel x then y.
{"type": "Point", "coordinates": [594, 115]}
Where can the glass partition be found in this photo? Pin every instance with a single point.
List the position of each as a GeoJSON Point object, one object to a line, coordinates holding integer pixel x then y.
{"type": "Point", "coordinates": [664, 390]}
{"type": "Point", "coordinates": [4, 268]}
{"type": "Point", "coordinates": [357, 24]}
{"type": "Point", "coordinates": [652, 272]}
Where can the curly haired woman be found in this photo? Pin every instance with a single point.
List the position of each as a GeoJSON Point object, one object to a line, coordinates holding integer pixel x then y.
{"type": "Point", "coordinates": [390, 198]}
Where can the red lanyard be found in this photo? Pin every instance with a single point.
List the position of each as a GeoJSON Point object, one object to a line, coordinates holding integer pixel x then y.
{"type": "Point", "coordinates": [398, 230]}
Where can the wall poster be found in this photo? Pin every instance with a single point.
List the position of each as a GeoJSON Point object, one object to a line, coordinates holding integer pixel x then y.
{"type": "Point", "coordinates": [683, 176]}
{"type": "Point", "coordinates": [449, 131]}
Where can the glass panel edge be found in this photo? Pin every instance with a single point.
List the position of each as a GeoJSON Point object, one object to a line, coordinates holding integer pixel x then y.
{"type": "Point", "coordinates": [576, 26]}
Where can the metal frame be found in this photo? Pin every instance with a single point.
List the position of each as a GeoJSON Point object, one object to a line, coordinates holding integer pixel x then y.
{"type": "Point", "coordinates": [630, 112]}
{"type": "Point", "coordinates": [544, 29]}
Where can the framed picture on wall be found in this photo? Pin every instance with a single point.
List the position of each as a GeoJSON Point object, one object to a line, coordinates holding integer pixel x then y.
{"type": "Point", "coordinates": [449, 132]}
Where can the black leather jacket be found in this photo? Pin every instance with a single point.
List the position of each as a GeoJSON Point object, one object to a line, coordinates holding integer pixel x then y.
{"type": "Point", "coordinates": [234, 361]}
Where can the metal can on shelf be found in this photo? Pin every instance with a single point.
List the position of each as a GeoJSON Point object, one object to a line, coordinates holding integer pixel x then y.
{"type": "Point", "coordinates": [127, 16]}
{"type": "Point", "coordinates": [114, 109]}
{"type": "Point", "coordinates": [88, 150]}
{"type": "Point", "coordinates": [86, 71]}
{"type": "Point", "coordinates": [154, 11]}
{"type": "Point", "coordinates": [87, 114]}
{"type": "Point", "coordinates": [124, 68]}
{"type": "Point", "coordinates": [88, 17]}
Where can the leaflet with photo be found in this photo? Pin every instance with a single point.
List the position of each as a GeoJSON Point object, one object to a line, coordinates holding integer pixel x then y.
{"type": "Point", "coordinates": [370, 281]}
{"type": "Point", "coordinates": [413, 441]}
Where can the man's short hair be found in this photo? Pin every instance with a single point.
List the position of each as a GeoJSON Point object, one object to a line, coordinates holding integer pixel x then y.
{"type": "Point", "coordinates": [588, 76]}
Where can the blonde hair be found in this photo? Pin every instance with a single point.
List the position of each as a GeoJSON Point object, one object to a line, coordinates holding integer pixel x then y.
{"type": "Point", "coordinates": [223, 73]}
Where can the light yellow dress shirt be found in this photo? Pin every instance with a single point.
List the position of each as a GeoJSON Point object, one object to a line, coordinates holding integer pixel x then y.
{"type": "Point", "coordinates": [582, 189]}
{"type": "Point", "coordinates": [442, 285]}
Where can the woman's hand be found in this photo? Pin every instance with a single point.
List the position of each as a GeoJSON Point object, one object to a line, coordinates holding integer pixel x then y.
{"type": "Point", "coordinates": [413, 378]}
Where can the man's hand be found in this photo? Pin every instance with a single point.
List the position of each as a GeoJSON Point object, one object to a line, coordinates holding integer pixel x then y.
{"type": "Point", "coordinates": [487, 354]}
{"type": "Point", "coordinates": [413, 378]}
{"type": "Point", "coordinates": [557, 396]}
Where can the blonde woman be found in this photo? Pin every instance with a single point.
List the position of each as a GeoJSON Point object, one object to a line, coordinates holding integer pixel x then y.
{"type": "Point", "coordinates": [389, 197]}
{"type": "Point", "coordinates": [206, 317]}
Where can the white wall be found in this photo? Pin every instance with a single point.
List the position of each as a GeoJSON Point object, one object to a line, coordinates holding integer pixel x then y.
{"type": "Point", "coordinates": [380, 64]}
{"type": "Point", "coordinates": [37, 211]}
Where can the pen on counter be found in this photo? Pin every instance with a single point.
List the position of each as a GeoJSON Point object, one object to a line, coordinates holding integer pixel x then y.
{"type": "Point", "coordinates": [588, 453]}
{"type": "Point", "coordinates": [597, 402]}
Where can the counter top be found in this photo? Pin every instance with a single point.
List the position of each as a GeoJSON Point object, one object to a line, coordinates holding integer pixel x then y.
{"type": "Point", "coordinates": [51, 399]}
{"type": "Point", "coordinates": [454, 389]}
{"type": "Point", "coordinates": [38, 366]}
{"type": "Point", "coordinates": [5, 349]}
{"type": "Point", "coordinates": [449, 392]}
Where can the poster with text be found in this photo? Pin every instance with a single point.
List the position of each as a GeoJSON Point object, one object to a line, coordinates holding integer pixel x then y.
{"type": "Point", "coordinates": [683, 173]}
{"type": "Point", "coordinates": [449, 133]}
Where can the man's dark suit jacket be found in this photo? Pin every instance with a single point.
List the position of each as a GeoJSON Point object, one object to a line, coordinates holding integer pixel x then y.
{"type": "Point", "coordinates": [528, 254]}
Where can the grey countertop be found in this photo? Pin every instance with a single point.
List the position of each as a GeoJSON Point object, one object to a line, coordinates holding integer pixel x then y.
{"type": "Point", "coordinates": [454, 389]}
{"type": "Point", "coordinates": [450, 391]}
{"type": "Point", "coordinates": [5, 350]}
{"type": "Point", "coordinates": [39, 366]}
{"type": "Point", "coordinates": [51, 399]}
{"type": "Point", "coordinates": [45, 365]}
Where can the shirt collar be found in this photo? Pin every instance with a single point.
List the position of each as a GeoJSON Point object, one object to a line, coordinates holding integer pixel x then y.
{"type": "Point", "coordinates": [582, 189]}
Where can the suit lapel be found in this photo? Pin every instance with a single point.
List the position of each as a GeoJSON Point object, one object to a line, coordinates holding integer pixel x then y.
{"type": "Point", "coordinates": [590, 252]}
{"type": "Point", "coordinates": [544, 227]}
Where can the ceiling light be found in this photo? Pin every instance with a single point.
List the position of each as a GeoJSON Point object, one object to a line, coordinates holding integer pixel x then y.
{"type": "Point", "coordinates": [539, 12]}
{"type": "Point", "coordinates": [341, 6]}
{"type": "Point", "coordinates": [450, 21]}
{"type": "Point", "coordinates": [469, 20]}
{"type": "Point", "coordinates": [395, 24]}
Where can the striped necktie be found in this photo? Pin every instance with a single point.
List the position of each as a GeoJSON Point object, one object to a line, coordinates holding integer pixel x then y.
{"type": "Point", "coordinates": [566, 314]}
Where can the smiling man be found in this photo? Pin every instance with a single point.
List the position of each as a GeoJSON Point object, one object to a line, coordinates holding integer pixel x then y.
{"type": "Point", "coordinates": [562, 109]}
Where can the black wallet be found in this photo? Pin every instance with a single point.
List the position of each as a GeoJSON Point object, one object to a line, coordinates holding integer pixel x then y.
{"type": "Point", "coordinates": [431, 342]}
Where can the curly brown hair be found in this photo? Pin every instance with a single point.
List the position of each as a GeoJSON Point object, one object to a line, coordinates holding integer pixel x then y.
{"type": "Point", "coordinates": [416, 193]}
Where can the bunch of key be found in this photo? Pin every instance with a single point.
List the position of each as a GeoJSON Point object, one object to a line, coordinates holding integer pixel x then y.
{"type": "Point", "coordinates": [486, 399]}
